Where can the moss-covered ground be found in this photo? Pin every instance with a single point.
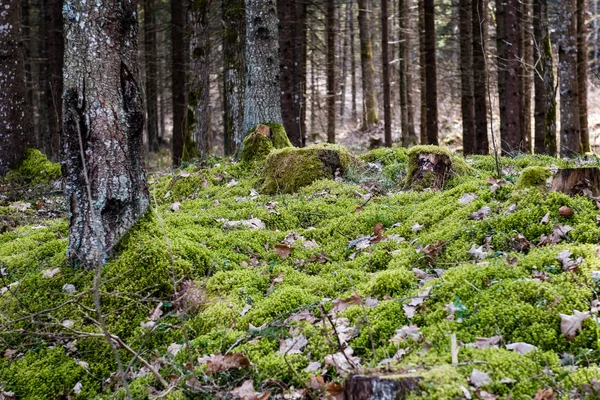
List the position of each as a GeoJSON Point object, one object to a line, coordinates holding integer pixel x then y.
{"type": "Point", "coordinates": [288, 280]}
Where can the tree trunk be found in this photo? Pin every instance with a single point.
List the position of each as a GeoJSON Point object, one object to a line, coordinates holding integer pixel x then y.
{"type": "Point", "coordinates": [103, 123]}
{"type": "Point", "coordinates": [423, 72]}
{"type": "Point", "coordinates": [27, 46]}
{"type": "Point", "coordinates": [577, 181]}
{"type": "Point", "coordinates": [16, 131]}
{"type": "Point", "coordinates": [466, 75]}
{"type": "Point", "coordinates": [198, 123]}
{"type": "Point", "coordinates": [381, 387]}
{"type": "Point", "coordinates": [570, 135]}
{"type": "Point", "coordinates": [345, 53]}
{"type": "Point", "coordinates": [353, 65]}
{"type": "Point", "coordinates": [234, 83]}
{"type": "Point", "coordinates": [178, 70]}
{"type": "Point", "coordinates": [526, 73]}
{"type": "Point", "coordinates": [300, 69]}
{"type": "Point", "coordinates": [431, 72]}
{"type": "Point", "coordinates": [480, 75]}
{"type": "Point", "coordinates": [385, 63]}
{"type": "Point", "coordinates": [409, 137]}
{"type": "Point", "coordinates": [509, 73]}
{"type": "Point", "coordinates": [285, 9]}
{"type": "Point", "coordinates": [368, 70]}
{"type": "Point", "coordinates": [151, 62]}
{"type": "Point", "coordinates": [262, 96]}
{"type": "Point", "coordinates": [545, 96]}
{"type": "Point", "coordinates": [582, 74]}
{"type": "Point", "coordinates": [331, 92]}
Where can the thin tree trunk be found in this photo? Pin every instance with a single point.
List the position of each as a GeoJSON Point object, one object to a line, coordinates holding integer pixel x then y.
{"type": "Point", "coordinates": [300, 68]}
{"type": "Point", "coordinates": [526, 75]}
{"type": "Point", "coordinates": [27, 42]}
{"type": "Point", "coordinates": [409, 137]}
{"type": "Point", "coordinates": [287, 23]}
{"type": "Point", "coordinates": [262, 96]}
{"type": "Point", "coordinates": [331, 92]}
{"type": "Point", "coordinates": [545, 96]}
{"type": "Point", "coordinates": [466, 74]}
{"type": "Point", "coordinates": [16, 131]}
{"type": "Point", "coordinates": [509, 72]}
{"type": "Point", "coordinates": [345, 59]}
{"type": "Point", "coordinates": [198, 123]}
{"type": "Point", "coordinates": [234, 83]}
{"type": "Point", "coordinates": [385, 63]}
{"type": "Point", "coordinates": [370, 117]}
{"type": "Point", "coordinates": [480, 75]}
{"type": "Point", "coordinates": [353, 64]}
{"type": "Point", "coordinates": [431, 72]}
{"type": "Point", "coordinates": [423, 73]}
{"type": "Point", "coordinates": [314, 96]}
{"type": "Point", "coordinates": [178, 70]}
{"type": "Point", "coordinates": [570, 134]}
{"type": "Point", "coordinates": [103, 123]}
{"type": "Point", "coordinates": [150, 58]}
{"type": "Point", "coordinates": [582, 74]}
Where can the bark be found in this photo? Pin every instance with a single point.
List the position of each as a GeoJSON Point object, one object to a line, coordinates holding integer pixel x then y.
{"type": "Point", "coordinates": [423, 73]}
{"type": "Point", "coordinates": [234, 34]}
{"type": "Point", "coordinates": [381, 387]}
{"type": "Point", "coordinates": [545, 96]}
{"type": "Point", "coordinates": [526, 75]}
{"type": "Point", "coordinates": [431, 72]}
{"type": "Point", "coordinates": [103, 123]}
{"type": "Point", "coordinates": [480, 75]}
{"type": "Point", "coordinates": [353, 66]}
{"type": "Point", "coordinates": [151, 63]}
{"type": "Point", "coordinates": [16, 131]}
{"type": "Point", "coordinates": [409, 137]}
{"type": "Point", "coordinates": [262, 97]}
{"type": "Point", "coordinates": [345, 53]}
{"type": "Point", "coordinates": [509, 72]}
{"type": "Point", "coordinates": [300, 70]}
{"type": "Point", "coordinates": [27, 45]}
{"type": "Point", "coordinates": [582, 74]}
{"type": "Point", "coordinates": [385, 62]}
{"type": "Point", "coordinates": [466, 75]}
{"type": "Point", "coordinates": [570, 134]}
{"type": "Point", "coordinates": [331, 81]}
{"type": "Point", "coordinates": [577, 181]}
{"type": "Point", "coordinates": [198, 123]}
{"type": "Point", "coordinates": [178, 70]}
{"type": "Point", "coordinates": [370, 117]}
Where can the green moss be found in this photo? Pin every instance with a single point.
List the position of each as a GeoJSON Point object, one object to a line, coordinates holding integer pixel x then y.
{"type": "Point", "coordinates": [534, 177]}
{"type": "Point", "coordinates": [387, 156]}
{"type": "Point", "coordinates": [35, 169]}
{"type": "Point", "coordinates": [289, 169]}
{"type": "Point", "coordinates": [393, 282]}
{"type": "Point", "coordinates": [257, 146]}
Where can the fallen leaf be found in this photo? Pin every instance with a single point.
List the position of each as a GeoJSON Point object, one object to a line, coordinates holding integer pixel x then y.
{"type": "Point", "coordinates": [416, 227]}
{"type": "Point", "coordinates": [398, 355]}
{"type": "Point", "coordinates": [479, 378]}
{"type": "Point", "coordinates": [477, 252]}
{"type": "Point", "coordinates": [521, 347]}
{"type": "Point", "coordinates": [544, 394]}
{"type": "Point", "coordinates": [69, 288]}
{"type": "Point", "coordinates": [253, 223]}
{"type": "Point", "coordinates": [293, 345]}
{"type": "Point", "coordinates": [511, 209]}
{"type": "Point", "coordinates": [68, 323]}
{"type": "Point", "coordinates": [571, 324]}
{"type": "Point", "coordinates": [335, 391]}
{"type": "Point", "coordinates": [413, 332]}
{"type": "Point", "coordinates": [246, 392]}
{"type": "Point", "coordinates": [487, 343]}
{"type": "Point", "coordinates": [218, 363]}
{"type": "Point", "coordinates": [175, 206]}
{"type": "Point", "coordinates": [49, 273]}
{"type": "Point", "coordinates": [184, 173]}
{"type": "Point", "coordinates": [283, 250]}
{"type": "Point", "coordinates": [245, 310]}
{"type": "Point", "coordinates": [77, 388]}
{"type": "Point", "coordinates": [481, 213]}
{"type": "Point", "coordinates": [340, 305]}
{"type": "Point", "coordinates": [487, 396]}
{"type": "Point", "coordinates": [467, 198]}
{"type": "Point", "coordinates": [174, 348]}
{"type": "Point", "coordinates": [409, 311]}
{"type": "Point", "coordinates": [466, 392]}
{"type": "Point", "coordinates": [313, 367]}
{"type": "Point", "coordinates": [232, 183]}
{"type": "Point", "coordinates": [546, 218]}
{"type": "Point", "coordinates": [343, 362]}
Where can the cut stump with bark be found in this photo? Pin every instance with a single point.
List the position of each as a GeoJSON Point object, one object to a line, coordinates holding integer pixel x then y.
{"type": "Point", "coordinates": [429, 167]}
{"type": "Point", "coordinates": [577, 181]}
{"type": "Point", "coordinates": [386, 387]}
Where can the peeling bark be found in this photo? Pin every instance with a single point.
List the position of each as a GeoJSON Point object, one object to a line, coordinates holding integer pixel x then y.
{"type": "Point", "coordinates": [16, 131]}
{"type": "Point", "coordinates": [103, 122]}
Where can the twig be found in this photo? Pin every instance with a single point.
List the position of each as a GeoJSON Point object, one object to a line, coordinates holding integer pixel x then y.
{"type": "Point", "coordinates": [337, 337]}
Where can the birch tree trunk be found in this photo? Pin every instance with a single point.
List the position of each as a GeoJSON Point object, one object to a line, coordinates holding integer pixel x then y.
{"type": "Point", "coordinates": [262, 97]}
{"type": "Point", "coordinates": [234, 35]}
{"type": "Point", "coordinates": [16, 131]}
{"type": "Point", "coordinates": [103, 119]}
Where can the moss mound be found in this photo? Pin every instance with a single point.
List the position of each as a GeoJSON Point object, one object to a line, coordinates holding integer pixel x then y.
{"type": "Point", "coordinates": [263, 139]}
{"type": "Point", "coordinates": [35, 169]}
{"type": "Point", "coordinates": [289, 169]}
{"type": "Point", "coordinates": [534, 176]}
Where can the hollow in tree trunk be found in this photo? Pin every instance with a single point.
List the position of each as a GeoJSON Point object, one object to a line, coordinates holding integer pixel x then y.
{"type": "Point", "coordinates": [103, 119]}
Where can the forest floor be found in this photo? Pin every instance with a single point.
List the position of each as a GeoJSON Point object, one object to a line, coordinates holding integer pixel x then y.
{"type": "Point", "coordinates": [486, 289]}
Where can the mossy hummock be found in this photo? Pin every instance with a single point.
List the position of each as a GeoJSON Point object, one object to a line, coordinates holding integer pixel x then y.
{"type": "Point", "coordinates": [263, 139]}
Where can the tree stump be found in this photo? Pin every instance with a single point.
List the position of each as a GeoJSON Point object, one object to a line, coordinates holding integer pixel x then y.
{"type": "Point", "coordinates": [577, 181]}
{"type": "Point", "coordinates": [386, 387]}
{"type": "Point", "coordinates": [428, 170]}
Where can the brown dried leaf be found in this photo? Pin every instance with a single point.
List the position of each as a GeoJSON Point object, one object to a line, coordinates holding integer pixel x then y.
{"type": "Point", "coordinates": [340, 305]}
{"type": "Point", "coordinates": [218, 363]}
{"type": "Point", "coordinates": [335, 391]}
{"type": "Point", "coordinates": [247, 392]}
{"type": "Point", "coordinates": [545, 394]}
{"type": "Point", "coordinates": [479, 378]}
{"type": "Point", "coordinates": [283, 250]}
{"type": "Point", "coordinates": [487, 343]}
{"type": "Point", "coordinates": [571, 324]}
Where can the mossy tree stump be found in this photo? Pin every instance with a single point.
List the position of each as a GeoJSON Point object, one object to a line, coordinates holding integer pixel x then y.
{"type": "Point", "coordinates": [263, 139]}
{"type": "Point", "coordinates": [390, 387]}
{"type": "Point", "coordinates": [577, 181]}
{"type": "Point", "coordinates": [429, 167]}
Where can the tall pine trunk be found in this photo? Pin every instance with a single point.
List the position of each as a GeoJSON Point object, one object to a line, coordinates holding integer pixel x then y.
{"type": "Point", "coordinates": [480, 75]}
{"type": "Point", "coordinates": [234, 83]}
{"type": "Point", "coordinates": [370, 117]}
{"type": "Point", "coordinates": [407, 118]}
{"type": "Point", "coordinates": [385, 63]}
{"type": "Point", "coordinates": [103, 118]}
{"type": "Point", "coordinates": [353, 66]}
{"type": "Point", "coordinates": [198, 123]}
{"type": "Point", "coordinates": [466, 75]}
{"type": "Point", "coordinates": [16, 130]}
{"type": "Point", "coordinates": [151, 63]}
{"type": "Point", "coordinates": [345, 53]}
{"type": "Point", "coordinates": [431, 72]}
{"type": "Point", "coordinates": [262, 96]}
{"type": "Point", "coordinates": [423, 73]}
{"type": "Point", "coordinates": [331, 81]}
{"type": "Point", "coordinates": [526, 73]}
{"type": "Point", "coordinates": [570, 134]}
{"type": "Point", "coordinates": [178, 70]}
{"type": "Point", "coordinates": [545, 96]}
{"type": "Point", "coordinates": [582, 74]}
{"type": "Point", "coordinates": [509, 73]}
